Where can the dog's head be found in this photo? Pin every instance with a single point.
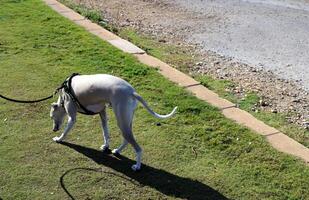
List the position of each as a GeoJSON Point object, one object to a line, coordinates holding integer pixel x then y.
{"type": "Point", "coordinates": [57, 113]}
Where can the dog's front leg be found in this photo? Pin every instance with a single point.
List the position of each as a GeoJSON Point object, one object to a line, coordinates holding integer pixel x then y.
{"type": "Point", "coordinates": [71, 122]}
{"type": "Point", "coordinates": [71, 110]}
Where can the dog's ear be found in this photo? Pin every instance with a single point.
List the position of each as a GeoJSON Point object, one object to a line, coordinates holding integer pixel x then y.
{"type": "Point", "coordinates": [54, 105]}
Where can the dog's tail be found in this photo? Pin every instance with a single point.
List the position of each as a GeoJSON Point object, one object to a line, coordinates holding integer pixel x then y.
{"type": "Point", "coordinates": [140, 99]}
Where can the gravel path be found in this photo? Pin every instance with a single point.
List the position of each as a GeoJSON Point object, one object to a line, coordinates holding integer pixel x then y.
{"type": "Point", "coordinates": [272, 34]}
{"type": "Point", "coordinates": [261, 45]}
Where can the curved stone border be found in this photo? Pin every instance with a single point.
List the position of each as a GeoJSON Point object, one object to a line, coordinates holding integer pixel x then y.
{"type": "Point", "coordinates": [277, 139]}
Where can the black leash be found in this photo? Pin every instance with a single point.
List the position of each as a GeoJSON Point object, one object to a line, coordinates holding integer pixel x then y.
{"type": "Point", "coordinates": [66, 85]}
{"type": "Point", "coordinates": [32, 101]}
{"type": "Point", "coordinates": [26, 101]}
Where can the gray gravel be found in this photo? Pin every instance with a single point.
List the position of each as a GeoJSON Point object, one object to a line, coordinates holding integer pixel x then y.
{"type": "Point", "coordinates": [273, 34]}
{"type": "Point", "coordinates": [259, 45]}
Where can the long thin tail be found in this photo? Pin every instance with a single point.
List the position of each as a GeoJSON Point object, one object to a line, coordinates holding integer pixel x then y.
{"type": "Point", "coordinates": [140, 99]}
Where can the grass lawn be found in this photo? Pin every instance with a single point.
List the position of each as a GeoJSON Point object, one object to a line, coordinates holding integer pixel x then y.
{"type": "Point", "coordinates": [198, 154]}
{"type": "Point", "coordinates": [181, 58]}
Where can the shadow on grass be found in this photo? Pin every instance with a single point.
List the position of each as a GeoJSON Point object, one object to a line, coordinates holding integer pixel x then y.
{"type": "Point", "coordinates": [98, 170]}
{"type": "Point", "coordinates": [163, 181]}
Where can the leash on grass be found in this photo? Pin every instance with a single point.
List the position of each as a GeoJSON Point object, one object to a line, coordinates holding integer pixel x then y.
{"type": "Point", "coordinates": [32, 101]}
{"type": "Point", "coordinates": [66, 85]}
{"type": "Point", "coordinates": [26, 101]}
{"type": "Point", "coordinates": [63, 85]}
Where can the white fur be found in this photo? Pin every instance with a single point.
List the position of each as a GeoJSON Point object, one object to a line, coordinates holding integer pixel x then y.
{"type": "Point", "coordinates": [94, 92]}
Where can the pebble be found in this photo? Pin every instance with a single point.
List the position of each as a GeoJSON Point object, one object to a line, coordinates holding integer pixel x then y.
{"type": "Point", "coordinates": [274, 110]}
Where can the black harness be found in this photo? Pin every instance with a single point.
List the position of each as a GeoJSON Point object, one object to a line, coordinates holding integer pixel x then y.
{"type": "Point", "coordinates": [67, 87]}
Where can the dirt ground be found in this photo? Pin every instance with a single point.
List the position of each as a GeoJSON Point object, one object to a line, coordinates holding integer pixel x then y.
{"type": "Point", "coordinates": [170, 23]}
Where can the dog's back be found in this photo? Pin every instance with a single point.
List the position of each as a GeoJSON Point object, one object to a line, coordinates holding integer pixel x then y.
{"type": "Point", "coordinates": [91, 89]}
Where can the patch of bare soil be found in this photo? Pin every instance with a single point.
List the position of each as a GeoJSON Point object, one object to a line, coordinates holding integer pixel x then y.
{"type": "Point", "coordinates": [165, 21]}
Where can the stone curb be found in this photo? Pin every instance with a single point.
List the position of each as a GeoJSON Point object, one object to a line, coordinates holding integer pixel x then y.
{"type": "Point", "coordinates": [246, 119]}
{"type": "Point", "coordinates": [126, 46]}
{"type": "Point", "coordinates": [287, 145]}
{"type": "Point", "coordinates": [277, 139]}
{"type": "Point", "coordinates": [167, 71]}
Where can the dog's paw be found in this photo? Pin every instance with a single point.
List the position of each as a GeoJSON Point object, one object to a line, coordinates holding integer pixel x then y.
{"type": "Point", "coordinates": [136, 168]}
{"type": "Point", "coordinates": [57, 139]}
{"type": "Point", "coordinates": [115, 151]}
{"type": "Point", "coordinates": [106, 150]}
{"type": "Point", "coordinates": [103, 147]}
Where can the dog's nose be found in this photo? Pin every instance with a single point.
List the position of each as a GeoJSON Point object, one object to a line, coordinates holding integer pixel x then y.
{"type": "Point", "coordinates": [55, 129]}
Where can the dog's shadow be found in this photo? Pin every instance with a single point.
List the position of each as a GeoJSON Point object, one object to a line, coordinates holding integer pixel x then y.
{"type": "Point", "coordinates": [163, 181]}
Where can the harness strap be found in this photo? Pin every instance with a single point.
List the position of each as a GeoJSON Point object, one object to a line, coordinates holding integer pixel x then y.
{"type": "Point", "coordinates": [67, 86]}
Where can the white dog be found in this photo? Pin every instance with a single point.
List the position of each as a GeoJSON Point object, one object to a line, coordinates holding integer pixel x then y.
{"type": "Point", "coordinates": [89, 94]}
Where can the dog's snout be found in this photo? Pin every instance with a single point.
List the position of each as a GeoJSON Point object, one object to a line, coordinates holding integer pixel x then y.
{"type": "Point", "coordinates": [55, 129]}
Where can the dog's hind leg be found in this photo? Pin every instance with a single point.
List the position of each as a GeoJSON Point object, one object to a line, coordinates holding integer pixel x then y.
{"type": "Point", "coordinates": [104, 119]}
{"type": "Point", "coordinates": [121, 147]}
{"type": "Point", "coordinates": [124, 114]}
{"type": "Point", "coordinates": [128, 136]}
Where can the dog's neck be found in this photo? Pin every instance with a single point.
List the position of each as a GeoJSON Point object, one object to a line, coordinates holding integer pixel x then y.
{"type": "Point", "coordinates": [61, 97]}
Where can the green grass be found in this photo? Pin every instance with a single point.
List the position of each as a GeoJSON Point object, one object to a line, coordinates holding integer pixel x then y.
{"type": "Point", "coordinates": [277, 120]}
{"type": "Point", "coordinates": [94, 15]}
{"type": "Point", "coordinates": [177, 56]}
{"type": "Point", "coordinates": [198, 154]}
{"type": "Point", "coordinates": [180, 58]}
